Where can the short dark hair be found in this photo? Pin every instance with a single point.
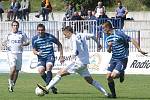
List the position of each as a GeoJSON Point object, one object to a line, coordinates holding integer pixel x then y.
{"type": "Point", "coordinates": [68, 28]}
{"type": "Point", "coordinates": [41, 25]}
{"type": "Point", "coordinates": [15, 22]}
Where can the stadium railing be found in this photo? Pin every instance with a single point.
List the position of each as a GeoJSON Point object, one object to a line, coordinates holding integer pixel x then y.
{"type": "Point", "coordinates": [116, 22]}
{"type": "Point", "coordinates": [55, 28]}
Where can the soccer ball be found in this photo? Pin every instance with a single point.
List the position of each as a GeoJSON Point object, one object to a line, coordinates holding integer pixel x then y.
{"type": "Point", "coordinates": [39, 92]}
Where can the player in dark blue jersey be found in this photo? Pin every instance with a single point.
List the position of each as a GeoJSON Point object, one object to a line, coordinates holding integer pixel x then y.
{"type": "Point", "coordinates": [118, 44]}
{"type": "Point", "coordinates": [42, 45]}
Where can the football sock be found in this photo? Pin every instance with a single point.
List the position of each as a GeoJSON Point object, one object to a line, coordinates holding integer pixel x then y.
{"type": "Point", "coordinates": [48, 77]}
{"type": "Point", "coordinates": [54, 81]}
{"type": "Point", "coordinates": [44, 77]}
{"type": "Point", "coordinates": [112, 87]}
{"type": "Point", "coordinates": [99, 87]}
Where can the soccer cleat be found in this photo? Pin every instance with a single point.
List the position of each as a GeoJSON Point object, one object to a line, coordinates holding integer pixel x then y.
{"type": "Point", "coordinates": [121, 77]}
{"type": "Point", "coordinates": [43, 88]}
{"type": "Point", "coordinates": [54, 90]}
{"type": "Point", "coordinates": [111, 96]}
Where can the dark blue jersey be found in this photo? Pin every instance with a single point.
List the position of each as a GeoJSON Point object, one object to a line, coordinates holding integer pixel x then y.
{"type": "Point", "coordinates": [120, 44]}
{"type": "Point", "coordinates": [44, 44]}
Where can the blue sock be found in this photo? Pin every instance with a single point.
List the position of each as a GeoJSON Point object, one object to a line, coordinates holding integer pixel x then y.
{"type": "Point", "coordinates": [44, 77]}
{"type": "Point", "coordinates": [112, 87]}
{"type": "Point", "coordinates": [48, 77]}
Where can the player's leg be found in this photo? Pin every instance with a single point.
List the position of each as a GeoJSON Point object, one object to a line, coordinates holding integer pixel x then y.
{"type": "Point", "coordinates": [12, 64]}
{"type": "Point", "coordinates": [54, 80]}
{"type": "Point", "coordinates": [113, 73]}
{"type": "Point", "coordinates": [83, 71]}
{"type": "Point", "coordinates": [18, 67]}
{"type": "Point", "coordinates": [49, 65]}
{"type": "Point", "coordinates": [63, 72]}
{"type": "Point", "coordinates": [111, 85]}
{"type": "Point", "coordinates": [110, 78]}
{"type": "Point", "coordinates": [41, 69]}
{"type": "Point", "coordinates": [10, 80]}
{"type": "Point", "coordinates": [122, 72]}
{"type": "Point", "coordinates": [15, 76]}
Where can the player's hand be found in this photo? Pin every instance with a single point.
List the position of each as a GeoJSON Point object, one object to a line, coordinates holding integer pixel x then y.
{"type": "Point", "coordinates": [21, 46]}
{"type": "Point", "coordinates": [39, 53]}
{"type": "Point", "coordinates": [61, 58]}
{"type": "Point", "coordinates": [99, 48]}
{"type": "Point", "coordinates": [142, 52]}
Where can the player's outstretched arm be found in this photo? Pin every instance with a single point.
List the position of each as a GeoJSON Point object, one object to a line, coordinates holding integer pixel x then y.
{"type": "Point", "coordinates": [99, 46]}
{"type": "Point", "coordinates": [138, 47]}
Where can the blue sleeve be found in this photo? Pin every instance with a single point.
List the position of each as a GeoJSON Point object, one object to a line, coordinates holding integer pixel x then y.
{"type": "Point", "coordinates": [54, 39]}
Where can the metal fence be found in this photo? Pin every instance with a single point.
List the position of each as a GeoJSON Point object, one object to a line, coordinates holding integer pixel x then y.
{"type": "Point", "coordinates": [116, 22]}
{"type": "Point", "coordinates": [55, 28]}
{"type": "Point", "coordinates": [144, 27]}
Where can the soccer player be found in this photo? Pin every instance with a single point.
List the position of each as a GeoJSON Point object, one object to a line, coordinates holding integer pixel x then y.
{"type": "Point", "coordinates": [80, 54]}
{"type": "Point", "coordinates": [15, 42]}
{"type": "Point", "coordinates": [42, 45]}
{"type": "Point", "coordinates": [118, 44]}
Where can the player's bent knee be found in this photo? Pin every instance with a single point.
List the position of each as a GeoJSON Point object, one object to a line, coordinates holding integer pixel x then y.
{"type": "Point", "coordinates": [41, 71]}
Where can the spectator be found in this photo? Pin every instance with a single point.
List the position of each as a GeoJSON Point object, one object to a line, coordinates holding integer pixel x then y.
{"type": "Point", "coordinates": [91, 24]}
{"type": "Point", "coordinates": [69, 12]}
{"type": "Point", "coordinates": [100, 11]}
{"type": "Point", "coordinates": [83, 10]}
{"type": "Point", "coordinates": [90, 16]}
{"type": "Point", "coordinates": [121, 12]}
{"type": "Point", "coordinates": [46, 8]}
{"type": "Point", "coordinates": [13, 10]}
{"type": "Point", "coordinates": [25, 10]}
{"type": "Point", "coordinates": [77, 25]}
{"type": "Point", "coordinates": [1, 10]}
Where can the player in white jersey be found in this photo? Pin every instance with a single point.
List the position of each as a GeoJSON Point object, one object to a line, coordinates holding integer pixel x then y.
{"type": "Point", "coordinates": [15, 42]}
{"type": "Point", "coordinates": [79, 64]}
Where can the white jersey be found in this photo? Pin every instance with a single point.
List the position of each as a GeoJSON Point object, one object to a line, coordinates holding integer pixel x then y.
{"type": "Point", "coordinates": [15, 40]}
{"type": "Point", "coordinates": [80, 47]}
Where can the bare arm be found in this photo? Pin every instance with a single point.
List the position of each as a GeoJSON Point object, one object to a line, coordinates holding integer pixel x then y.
{"type": "Point", "coordinates": [98, 44]}
{"type": "Point", "coordinates": [36, 52]}
{"type": "Point", "coordinates": [138, 47]}
{"type": "Point", "coordinates": [109, 49]}
{"type": "Point", "coordinates": [60, 49]}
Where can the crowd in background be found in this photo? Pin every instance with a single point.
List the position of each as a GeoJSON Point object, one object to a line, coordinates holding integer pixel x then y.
{"type": "Point", "coordinates": [20, 10]}
{"type": "Point", "coordinates": [97, 14]}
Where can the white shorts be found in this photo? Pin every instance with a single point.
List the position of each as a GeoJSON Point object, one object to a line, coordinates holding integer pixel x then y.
{"type": "Point", "coordinates": [78, 68]}
{"type": "Point", "coordinates": [15, 60]}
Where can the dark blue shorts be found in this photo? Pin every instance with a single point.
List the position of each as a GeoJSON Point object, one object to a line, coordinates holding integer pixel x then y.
{"type": "Point", "coordinates": [44, 61]}
{"type": "Point", "coordinates": [118, 65]}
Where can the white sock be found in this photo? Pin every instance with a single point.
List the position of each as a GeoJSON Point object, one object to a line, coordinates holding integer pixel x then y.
{"type": "Point", "coordinates": [98, 86]}
{"type": "Point", "coordinates": [11, 82]}
{"type": "Point", "coordinates": [54, 81]}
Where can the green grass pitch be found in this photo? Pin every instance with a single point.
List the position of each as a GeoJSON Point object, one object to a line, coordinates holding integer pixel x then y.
{"type": "Point", "coordinates": [73, 87]}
